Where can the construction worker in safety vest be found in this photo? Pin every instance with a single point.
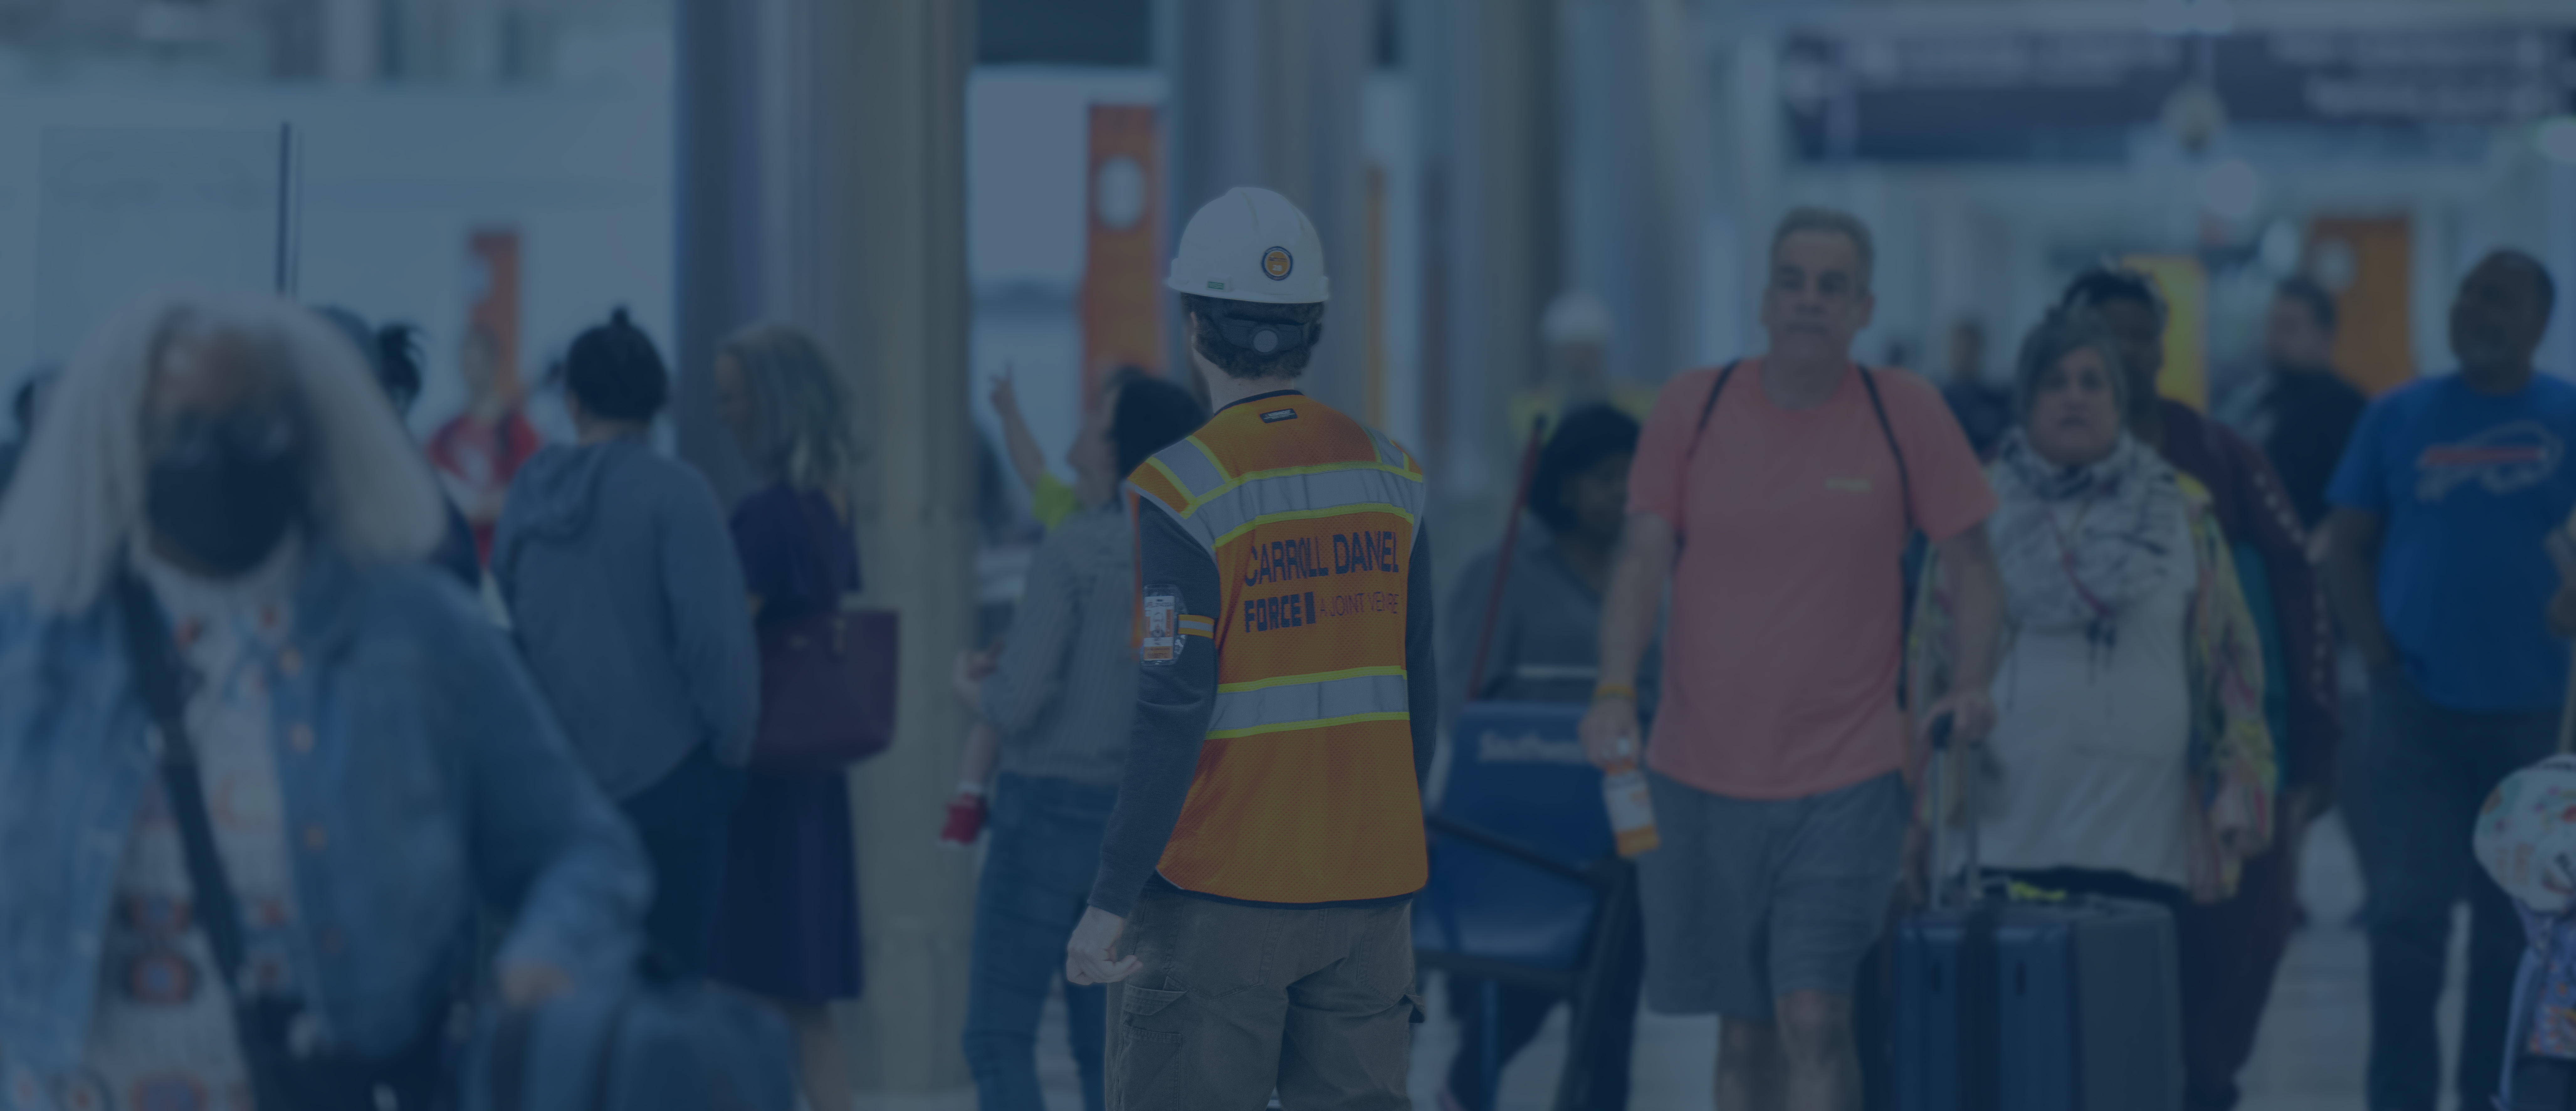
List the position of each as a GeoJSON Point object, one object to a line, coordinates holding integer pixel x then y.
{"type": "Point", "coordinates": [1252, 911]}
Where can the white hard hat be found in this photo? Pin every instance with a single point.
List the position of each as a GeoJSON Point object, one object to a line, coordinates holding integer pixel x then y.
{"type": "Point", "coordinates": [1251, 245]}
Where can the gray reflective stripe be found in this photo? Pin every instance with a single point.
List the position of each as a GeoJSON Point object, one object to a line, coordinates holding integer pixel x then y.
{"type": "Point", "coordinates": [1387, 452]}
{"type": "Point", "coordinates": [1192, 466]}
{"type": "Point", "coordinates": [1292, 704]}
{"type": "Point", "coordinates": [1542, 673]}
{"type": "Point", "coordinates": [1293, 493]}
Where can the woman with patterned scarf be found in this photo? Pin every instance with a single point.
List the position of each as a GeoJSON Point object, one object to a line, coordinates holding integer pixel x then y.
{"type": "Point", "coordinates": [2130, 757]}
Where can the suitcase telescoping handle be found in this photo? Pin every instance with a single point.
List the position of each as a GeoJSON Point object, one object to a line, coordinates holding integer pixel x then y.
{"type": "Point", "coordinates": [1943, 768]}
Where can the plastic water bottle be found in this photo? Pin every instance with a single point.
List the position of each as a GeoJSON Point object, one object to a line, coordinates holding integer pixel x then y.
{"type": "Point", "coordinates": [1632, 810]}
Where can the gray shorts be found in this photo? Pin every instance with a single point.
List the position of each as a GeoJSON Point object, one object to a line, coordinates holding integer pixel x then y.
{"type": "Point", "coordinates": [1749, 900]}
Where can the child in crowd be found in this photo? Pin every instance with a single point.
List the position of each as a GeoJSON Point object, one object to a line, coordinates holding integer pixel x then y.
{"type": "Point", "coordinates": [2526, 839]}
{"type": "Point", "coordinates": [983, 749]}
{"type": "Point", "coordinates": [1051, 500]}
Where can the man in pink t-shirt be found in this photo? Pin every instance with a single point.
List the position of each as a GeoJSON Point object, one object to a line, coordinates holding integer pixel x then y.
{"type": "Point", "coordinates": [1776, 496]}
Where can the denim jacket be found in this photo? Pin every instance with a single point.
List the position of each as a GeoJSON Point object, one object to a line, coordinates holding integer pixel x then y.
{"type": "Point", "coordinates": [419, 769]}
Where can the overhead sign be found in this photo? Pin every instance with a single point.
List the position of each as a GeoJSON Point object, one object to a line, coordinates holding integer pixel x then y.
{"type": "Point", "coordinates": [2078, 96]}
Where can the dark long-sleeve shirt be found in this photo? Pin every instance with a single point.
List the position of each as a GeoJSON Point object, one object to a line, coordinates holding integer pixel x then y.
{"type": "Point", "coordinates": [2307, 418]}
{"type": "Point", "coordinates": [1174, 703]}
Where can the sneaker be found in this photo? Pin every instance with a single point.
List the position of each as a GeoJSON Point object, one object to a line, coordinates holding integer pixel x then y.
{"type": "Point", "coordinates": [965, 821]}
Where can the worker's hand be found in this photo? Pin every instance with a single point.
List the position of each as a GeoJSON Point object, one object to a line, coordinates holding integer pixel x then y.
{"type": "Point", "coordinates": [1609, 733]}
{"type": "Point", "coordinates": [1971, 713]}
{"type": "Point", "coordinates": [1092, 956]}
{"type": "Point", "coordinates": [528, 983]}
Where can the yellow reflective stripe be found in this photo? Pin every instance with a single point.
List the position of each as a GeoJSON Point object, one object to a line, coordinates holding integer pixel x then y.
{"type": "Point", "coordinates": [1311, 514]}
{"type": "Point", "coordinates": [1194, 625]}
{"type": "Point", "coordinates": [1166, 471]}
{"type": "Point", "coordinates": [1197, 499]}
{"type": "Point", "coordinates": [1290, 726]}
{"type": "Point", "coordinates": [1318, 677]}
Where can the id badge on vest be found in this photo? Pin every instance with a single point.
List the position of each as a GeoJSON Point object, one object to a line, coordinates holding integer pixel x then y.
{"type": "Point", "coordinates": [1161, 644]}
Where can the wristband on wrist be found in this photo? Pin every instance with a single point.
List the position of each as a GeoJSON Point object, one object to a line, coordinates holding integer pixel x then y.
{"type": "Point", "coordinates": [1615, 690]}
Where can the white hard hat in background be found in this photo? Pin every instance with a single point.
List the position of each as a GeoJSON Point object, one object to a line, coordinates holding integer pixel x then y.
{"type": "Point", "coordinates": [1251, 245]}
{"type": "Point", "coordinates": [1576, 317]}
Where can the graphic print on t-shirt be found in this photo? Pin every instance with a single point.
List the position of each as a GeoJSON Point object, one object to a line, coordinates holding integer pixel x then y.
{"type": "Point", "coordinates": [2507, 457]}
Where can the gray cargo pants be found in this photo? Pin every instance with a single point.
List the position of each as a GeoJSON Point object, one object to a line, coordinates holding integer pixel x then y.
{"type": "Point", "coordinates": [1234, 1001]}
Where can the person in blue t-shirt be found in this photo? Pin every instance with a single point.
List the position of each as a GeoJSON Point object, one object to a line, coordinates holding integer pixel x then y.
{"type": "Point", "coordinates": [2440, 572]}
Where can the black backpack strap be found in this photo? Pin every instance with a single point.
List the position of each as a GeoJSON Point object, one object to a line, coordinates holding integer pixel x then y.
{"type": "Point", "coordinates": [1706, 409]}
{"type": "Point", "coordinates": [1904, 478]}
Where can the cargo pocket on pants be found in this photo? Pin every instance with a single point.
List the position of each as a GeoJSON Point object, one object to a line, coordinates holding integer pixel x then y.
{"type": "Point", "coordinates": [1147, 1052]}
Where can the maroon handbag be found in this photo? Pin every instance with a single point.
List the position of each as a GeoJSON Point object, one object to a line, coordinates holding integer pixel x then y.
{"type": "Point", "coordinates": [827, 690]}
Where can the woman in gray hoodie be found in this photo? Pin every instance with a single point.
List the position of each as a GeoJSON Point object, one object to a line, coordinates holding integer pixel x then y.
{"type": "Point", "coordinates": [627, 600]}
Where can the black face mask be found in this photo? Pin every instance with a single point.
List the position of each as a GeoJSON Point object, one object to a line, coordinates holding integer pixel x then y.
{"type": "Point", "coordinates": [226, 493]}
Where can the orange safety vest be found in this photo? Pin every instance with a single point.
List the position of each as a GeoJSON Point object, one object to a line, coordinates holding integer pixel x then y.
{"type": "Point", "coordinates": [1305, 788]}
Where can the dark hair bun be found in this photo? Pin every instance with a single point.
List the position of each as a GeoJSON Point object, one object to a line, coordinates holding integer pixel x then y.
{"type": "Point", "coordinates": [615, 371]}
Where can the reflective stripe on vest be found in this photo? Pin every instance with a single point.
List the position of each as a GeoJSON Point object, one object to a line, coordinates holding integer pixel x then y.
{"type": "Point", "coordinates": [1305, 787]}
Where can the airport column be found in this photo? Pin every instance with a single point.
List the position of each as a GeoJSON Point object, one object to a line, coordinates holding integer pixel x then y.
{"type": "Point", "coordinates": [1634, 100]}
{"type": "Point", "coordinates": [1485, 77]}
{"type": "Point", "coordinates": [822, 181]}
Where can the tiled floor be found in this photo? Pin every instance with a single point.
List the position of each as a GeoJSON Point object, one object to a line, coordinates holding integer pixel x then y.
{"type": "Point", "coordinates": [2309, 1059]}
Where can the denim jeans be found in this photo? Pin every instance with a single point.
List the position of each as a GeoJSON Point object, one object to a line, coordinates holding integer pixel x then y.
{"type": "Point", "coordinates": [2425, 771]}
{"type": "Point", "coordinates": [1036, 883]}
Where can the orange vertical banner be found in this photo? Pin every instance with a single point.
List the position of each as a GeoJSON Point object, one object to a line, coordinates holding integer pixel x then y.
{"type": "Point", "coordinates": [2369, 264]}
{"type": "Point", "coordinates": [492, 316]}
{"type": "Point", "coordinates": [1122, 267]}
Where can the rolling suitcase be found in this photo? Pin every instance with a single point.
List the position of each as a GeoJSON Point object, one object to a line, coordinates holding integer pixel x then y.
{"type": "Point", "coordinates": [2064, 1006]}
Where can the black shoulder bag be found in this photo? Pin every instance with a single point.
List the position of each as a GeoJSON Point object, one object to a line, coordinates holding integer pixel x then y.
{"type": "Point", "coordinates": [284, 1075]}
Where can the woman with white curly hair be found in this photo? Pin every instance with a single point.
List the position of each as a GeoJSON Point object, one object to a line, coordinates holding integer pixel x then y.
{"type": "Point", "coordinates": [258, 760]}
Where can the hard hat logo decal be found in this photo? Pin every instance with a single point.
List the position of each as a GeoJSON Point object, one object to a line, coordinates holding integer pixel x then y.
{"type": "Point", "coordinates": [1276, 263]}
